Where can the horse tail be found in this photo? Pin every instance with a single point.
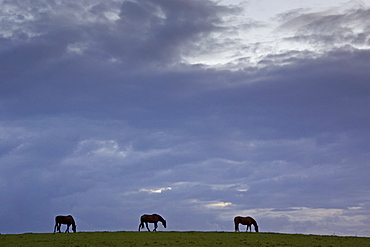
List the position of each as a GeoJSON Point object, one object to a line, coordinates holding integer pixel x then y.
{"type": "Point", "coordinates": [236, 223]}
{"type": "Point", "coordinates": [55, 226]}
{"type": "Point", "coordinates": [141, 225]}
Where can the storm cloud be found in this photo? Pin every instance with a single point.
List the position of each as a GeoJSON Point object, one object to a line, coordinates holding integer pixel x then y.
{"type": "Point", "coordinates": [109, 110]}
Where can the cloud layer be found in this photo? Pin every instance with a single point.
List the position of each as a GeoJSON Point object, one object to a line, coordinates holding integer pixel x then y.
{"type": "Point", "coordinates": [111, 109]}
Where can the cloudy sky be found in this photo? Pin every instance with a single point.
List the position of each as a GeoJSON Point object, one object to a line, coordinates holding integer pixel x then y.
{"type": "Point", "coordinates": [196, 110]}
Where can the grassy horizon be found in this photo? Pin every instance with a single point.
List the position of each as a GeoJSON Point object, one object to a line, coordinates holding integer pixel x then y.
{"type": "Point", "coordinates": [176, 238]}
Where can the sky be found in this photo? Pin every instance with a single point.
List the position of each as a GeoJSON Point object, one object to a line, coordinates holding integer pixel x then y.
{"type": "Point", "coordinates": [196, 110]}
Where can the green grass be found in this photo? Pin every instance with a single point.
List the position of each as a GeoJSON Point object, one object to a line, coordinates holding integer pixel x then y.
{"type": "Point", "coordinates": [142, 239]}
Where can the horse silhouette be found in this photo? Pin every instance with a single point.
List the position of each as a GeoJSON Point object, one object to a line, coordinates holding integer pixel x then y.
{"type": "Point", "coordinates": [154, 218]}
{"type": "Point", "coordinates": [66, 220]}
{"type": "Point", "coordinates": [249, 221]}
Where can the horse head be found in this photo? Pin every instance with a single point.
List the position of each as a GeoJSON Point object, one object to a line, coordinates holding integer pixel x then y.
{"type": "Point", "coordinates": [164, 223]}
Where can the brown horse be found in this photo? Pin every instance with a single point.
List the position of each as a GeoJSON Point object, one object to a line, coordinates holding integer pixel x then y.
{"type": "Point", "coordinates": [154, 218]}
{"type": "Point", "coordinates": [249, 221]}
{"type": "Point", "coordinates": [66, 220]}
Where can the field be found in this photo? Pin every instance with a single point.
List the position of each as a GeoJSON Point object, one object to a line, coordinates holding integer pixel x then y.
{"type": "Point", "coordinates": [92, 239]}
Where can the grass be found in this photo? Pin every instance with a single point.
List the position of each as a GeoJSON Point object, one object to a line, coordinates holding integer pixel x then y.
{"type": "Point", "coordinates": [204, 239]}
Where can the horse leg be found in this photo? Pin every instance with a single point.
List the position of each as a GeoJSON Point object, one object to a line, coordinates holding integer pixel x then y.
{"type": "Point", "coordinates": [236, 227]}
{"type": "Point", "coordinates": [58, 227]}
{"type": "Point", "coordinates": [250, 228]}
{"type": "Point", "coordinates": [67, 230]}
{"type": "Point", "coordinates": [147, 226]}
{"type": "Point", "coordinates": [155, 226]}
{"type": "Point", "coordinates": [55, 227]}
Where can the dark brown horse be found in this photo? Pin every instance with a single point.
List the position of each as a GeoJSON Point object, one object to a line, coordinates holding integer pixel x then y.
{"type": "Point", "coordinates": [66, 220]}
{"type": "Point", "coordinates": [154, 218]}
{"type": "Point", "coordinates": [249, 221]}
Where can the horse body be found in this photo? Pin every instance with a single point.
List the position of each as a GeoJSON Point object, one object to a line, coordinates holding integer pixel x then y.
{"type": "Point", "coordinates": [249, 221]}
{"type": "Point", "coordinates": [154, 218]}
{"type": "Point", "coordinates": [66, 220]}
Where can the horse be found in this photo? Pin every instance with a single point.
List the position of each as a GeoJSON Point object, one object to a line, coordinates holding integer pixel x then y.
{"type": "Point", "coordinates": [66, 220]}
{"type": "Point", "coordinates": [154, 218]}
{"type": "Point", "coordinates": [249, 221]}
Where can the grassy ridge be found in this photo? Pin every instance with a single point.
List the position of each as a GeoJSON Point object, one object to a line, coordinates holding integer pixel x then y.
{"type": "Point", "coordinates": [227, 239]}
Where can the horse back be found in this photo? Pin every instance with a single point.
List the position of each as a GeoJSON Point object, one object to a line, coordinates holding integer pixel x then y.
{"type": "Point", "coordinates": [64, 219]}
{"type": "Point", "coordinates": [238, 219]}
{"type": "Point", "coordinates": [151, 218]}
{"type": "Point", "coordinates": [244, 220]}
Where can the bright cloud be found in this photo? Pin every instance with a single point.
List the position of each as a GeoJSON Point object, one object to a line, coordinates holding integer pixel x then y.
{"type": "Point", "coordinates": [159, 190]}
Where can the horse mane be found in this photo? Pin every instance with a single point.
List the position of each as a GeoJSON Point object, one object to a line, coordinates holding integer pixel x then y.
{"type": "Point", "coordinates": [160, 217]}
{"type": "Point", "coordinates": [73, 220]}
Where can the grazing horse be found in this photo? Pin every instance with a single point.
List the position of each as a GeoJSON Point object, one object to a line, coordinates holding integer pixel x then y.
{"type": "Point", "coordinates": [249, 221]}
{"type": "Point", "coordinates": [154, 218]}
{"type": "Point", "coordinates": [66, 220]}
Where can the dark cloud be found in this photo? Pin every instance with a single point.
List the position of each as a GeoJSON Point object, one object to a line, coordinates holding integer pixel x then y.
{"type": "Point", "coordinates": [101, 116]}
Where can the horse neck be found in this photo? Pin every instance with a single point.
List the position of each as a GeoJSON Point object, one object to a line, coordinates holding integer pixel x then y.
{"type": "Point", "coordinates": [72, 221]}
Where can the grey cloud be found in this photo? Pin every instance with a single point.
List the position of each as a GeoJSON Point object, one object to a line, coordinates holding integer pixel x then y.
{"type": "Point", "coordinates": [348, 27]}
{"type": "Point", "coordinates": [162, 29]}
{"type": "Point", "coordinates": [146, 32]}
